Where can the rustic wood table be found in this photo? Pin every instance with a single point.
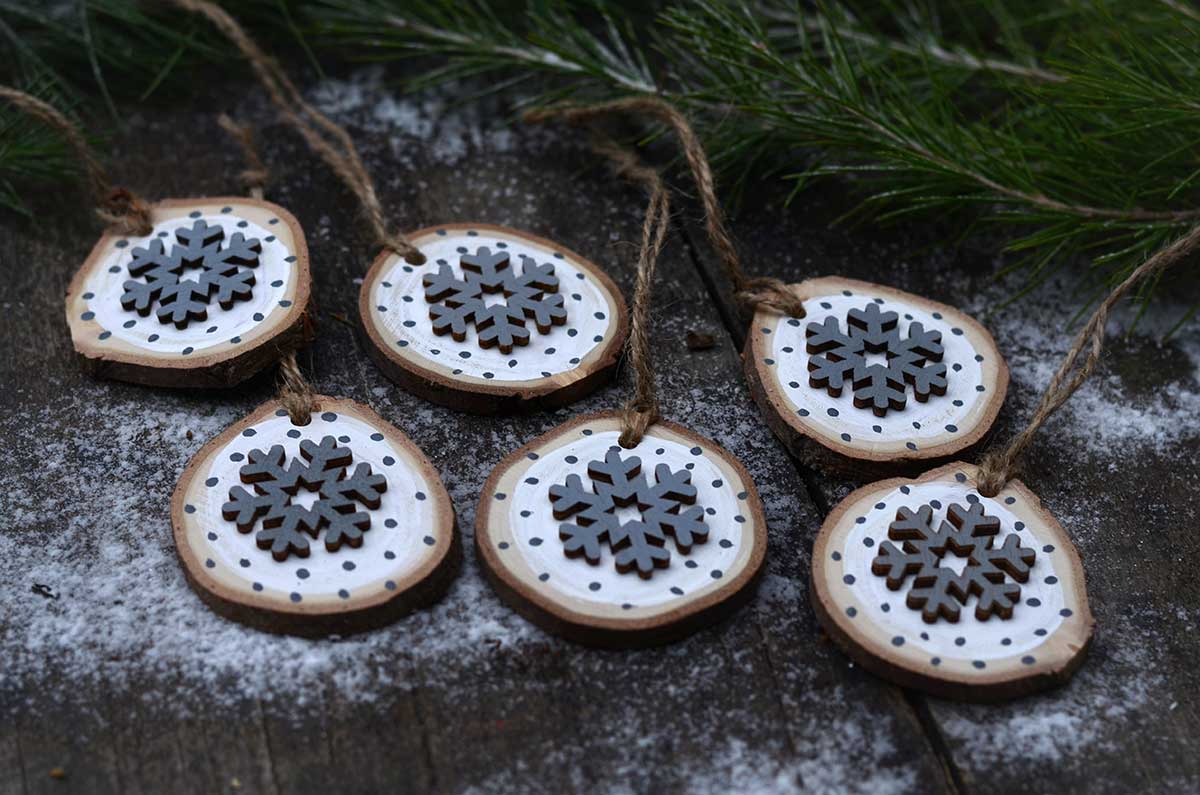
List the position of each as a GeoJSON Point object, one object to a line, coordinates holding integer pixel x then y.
{"type": "Point", "coordinates": [115, 678]}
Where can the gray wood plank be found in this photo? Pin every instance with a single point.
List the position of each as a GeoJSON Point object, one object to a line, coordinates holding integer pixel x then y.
{"type": "Point", "coordinates": [1119, 469]}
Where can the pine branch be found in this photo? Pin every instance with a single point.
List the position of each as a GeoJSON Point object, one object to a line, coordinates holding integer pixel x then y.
{"type": "Point", "coordinates": [1071, 125]}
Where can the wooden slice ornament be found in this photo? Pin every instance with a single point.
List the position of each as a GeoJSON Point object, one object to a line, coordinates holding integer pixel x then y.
{"type": "Point", "coordinates": [335, 526]}
{"type": "Point", "coordinates": [872, 378]}
{"type": "Point", "coordinates": [185, 292]}
{"type": "Point", "coordinates": [495, 320]}
{"type": "Point", "coordinates": [209, 296]}
{"type": "Point", "coordinates": [621, 547]}
{"type": "Point", "coordinates": [934, 586]}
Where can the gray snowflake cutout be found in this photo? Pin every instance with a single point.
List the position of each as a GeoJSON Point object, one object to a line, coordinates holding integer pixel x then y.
{"type": "Point", "coordinates": [457, 304]}
{"type": "Point", "coordinates": [666, 509]}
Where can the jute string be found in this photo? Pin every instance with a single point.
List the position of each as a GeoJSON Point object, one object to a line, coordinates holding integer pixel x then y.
{"type": "Point", "coordinates": [119, 207]}
{"type": "Point", "coordinates": [751, 291]}
{"type": "Point", "coordinates": [294, 392]}
{"type": "Point", "coordinates": [998, 467]}
{"type": "Point", "coordinates": [642, 410]}
{"type": "Point", "coordinates": [339, 153]}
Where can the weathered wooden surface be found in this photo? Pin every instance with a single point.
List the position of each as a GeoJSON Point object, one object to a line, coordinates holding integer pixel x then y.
{"type": "Point", "coordinates": [124, 681]}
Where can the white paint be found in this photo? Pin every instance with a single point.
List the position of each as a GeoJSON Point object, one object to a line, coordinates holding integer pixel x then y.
{"type": "Point", "coordinates": [983, 638]}
{"type": "Point", "coordinates": [789, 351]}
{"type": "Point", "coordinates": [413, 517]}
{"type": "Point", "coordinates": [558, 351]}
{"type": "Point", "coordinates": [574, 576]}
{"type": "Point", "coordinates": [107, 288]}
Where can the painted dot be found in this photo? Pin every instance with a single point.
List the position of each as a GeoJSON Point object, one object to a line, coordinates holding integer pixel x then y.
{"type": "Point", "coordinates": [848, 579]}
{"type": "Point", "coordinates": [868, 542]}
{"type": "Point", "coordinates": [88, 296]}
{"type": "Point", "coordinates": [980, 388]}
{"type": "Point", "coordinates": [832, 412]}
{"type": "Point", "coordinates": [960, 641]}
{"type": "Point", "coordinates": [390, 585]}
{"type": "Point", "coordinates": [910, 445]}
{"type": "Point", "coordinates": [209, 563]}
{"type": "Point", "coordinates": [691, 564]}
{"type": "Point", "coordinates": [979, 664]}
{"type": "Point", "coordinates": [725, 543]}
{"type": "Point", "coordinates": [258, 316]}
{"type": "Point", "coordinates": [257, 586]}
{"type": "Point", "coordinates": [543, 576]}
{"type": "Point", "coordinates": [885, 607]}
{"type": "Point", "coordinates": [87, 315]}
{"type": "Point", "coordinates": [212, 536]}
{"type": "Point", "coordinates": [500, 495]}
{"type": "Point", "coordinates": [420, 495]}
{"type": "Point", "coordinates": [1065, 612]}
{"type": "Point", "coordinates": [936, 661]}
{"type": "Point", "coordinates": [389, 555]}
{"type": "Point", "coordinates": [716, 574]}
{"type": "Point", "coordinates": [388, 460]}
{"type": "Point", "coordinates": [503, 545]}
{"type": "Point", "coordinates": [429, 541]}
{"type": "Point", "coordinates": [1018, 526]}
{"type": "Point", "coordinates": [803, 412]}
{"type": "Point", "coordinates": [677, 590]}
{"type": "Point", "coordinates": [1048, 548]}
{"type": "Point", "coordinates": [837, 555]}
{"type": "Point", "coordinates": [851, 611]}
{"type": "Point", "coordinates": [905, 489]}
{"type": "Point", "coordinates": [1009, 500]}
{"type": "Point", "coordinates": [302, 573]}
{"type": "Point", "coordinates": [211, 482]}
{"type": "Point", "coordinates": [293, 434]}
{"type": "Point", "coordinates": [187, 350]}
{"type": "Point", "coordinates": [845, 437]}
{"type": "Point", "coordinates": [593, 586]}
{"type": "Point", "coordinates": [296, 597]}
{"type": "Point", "coordinates": [129, 324]}
{"type": "Point", "coordinates": [189, 508]}
{"type": "Point", "coordinates": [898, 640]}
{"type": "Point", "coordinates": [1028, 659]}
{"type": "Point", "coordinates": [343, 593]}
{"type": "Point", "coordinates": [1006, 642]}
{"type": "Point", "coordinates": [245, 564]}
{"type": "Point", "coordinates": [277, 283]}
{"type": "Point", "coordinates": [1041, 633]}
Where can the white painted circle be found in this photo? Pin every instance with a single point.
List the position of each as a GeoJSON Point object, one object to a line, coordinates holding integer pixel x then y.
{"type": "Point", "coordinates": [1035, 617]}
{"type": "Point", "coordinates": [397, 544]}
{"type": "Point", "coordinates": [954, 413]}
{"type": "Point", "coordinates": [274, 278]}
{"type": "Point", "coordinates": [400, 311]}
{"type": "Point", "coordinates": [535, 536]}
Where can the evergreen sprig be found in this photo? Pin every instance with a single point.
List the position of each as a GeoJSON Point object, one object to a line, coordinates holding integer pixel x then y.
{"type": "Point", "coordinates": [1072, 124]}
